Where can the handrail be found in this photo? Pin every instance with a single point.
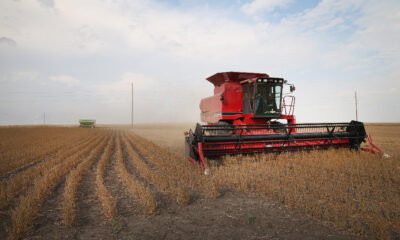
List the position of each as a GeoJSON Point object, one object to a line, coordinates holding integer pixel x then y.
{"type": "Point", "coordinates": [288, 108]}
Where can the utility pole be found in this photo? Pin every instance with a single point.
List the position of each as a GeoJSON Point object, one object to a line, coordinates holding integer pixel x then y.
{"type": "Point", "coordinates": [132, 108]}
{"type": "Point", "coordinates": [355, 97]}
{"type": "Point", "coordinates": [44, 118]}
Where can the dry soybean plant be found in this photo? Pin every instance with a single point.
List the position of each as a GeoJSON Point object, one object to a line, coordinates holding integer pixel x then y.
{"type": "Point", "coordinates": [107, 201]}
{"type": "Point", "coordinates": [355, 191]}
{"type": "Point", "coordinates": [11, 187]}
{"type": "Point", "coordinates": [163, 181]}
{"type": "Point", "coordinates": [23, 215]}
{"type": "Point", "coordinates": [135, 187]}
{"type": "Point", "coordinates": [72, 182]}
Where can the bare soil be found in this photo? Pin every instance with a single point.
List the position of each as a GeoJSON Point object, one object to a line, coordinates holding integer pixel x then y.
{"type": "Point", "coordinates": [234, 215]}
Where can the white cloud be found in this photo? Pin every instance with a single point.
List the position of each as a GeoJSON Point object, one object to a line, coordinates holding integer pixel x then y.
{"type": "Point", "coordinates": [111, 26]}
{"type": "Point", "coordinates": [64, 79]}
{"type": "Point", "coordinates": [167, 52]}
{"type": "Point", "coordinates": [47, 3]}
{"type": "Point", "coordinates": [111, 92]}
{"type": "Point", "coordinates": [264, 5]}
{"type": "Point", "coordinates": [20, 76]}
{"type": "Point", "coordinates": [140, 81]}
{"type": "Point", "coordinates": [7, 42]}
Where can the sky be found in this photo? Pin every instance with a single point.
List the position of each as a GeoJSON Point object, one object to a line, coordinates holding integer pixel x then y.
{"type": "Point", "coordinates": [75, 59]}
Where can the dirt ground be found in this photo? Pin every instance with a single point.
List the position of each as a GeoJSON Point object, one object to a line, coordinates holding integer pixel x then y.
{"type": "Point", "coordinates": [234, 215]}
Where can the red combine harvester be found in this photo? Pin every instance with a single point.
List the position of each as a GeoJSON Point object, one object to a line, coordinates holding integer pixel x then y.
{"type": "Point", "coordinates": [250, 114]}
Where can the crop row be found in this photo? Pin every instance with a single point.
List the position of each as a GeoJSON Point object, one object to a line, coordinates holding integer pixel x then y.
{"type": "Point", "coordinates": [107, 201]}
{"type": "Point", "coordinates": [353, 191]}
{"type": "Point", "coordinates": [73, 179]}
{"type": "Point", "coordinates": [163, 181]}
{"type": "Point", "coordinates": [137, 188]}
{"type": "Point", "coordinates": [177, 169]}
{"type": "Point", "coordinates": [11, 187]}
{"type": "Point", "coordinates": [25, 146]}
{"type": "Point", "coordinates": [23, 215]}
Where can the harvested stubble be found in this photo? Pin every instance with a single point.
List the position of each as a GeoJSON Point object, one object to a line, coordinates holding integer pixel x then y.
{"type": "Point", "coordinates": [72, 182]}
{"type": "Point", "coordinates": [11, 187]}
{"type": "Point", "coordinates": [21, 147]}
{"type": "Point", "coordinates": [107, 201]}
{"type": "Point", "coordinates": [358, 192]}
{"type": "Point", "coordinates": [22, 217]}
{"type": "Point", "coordinates": [177, 192]}
{"type": "Point", "coordinates": [136, 188]}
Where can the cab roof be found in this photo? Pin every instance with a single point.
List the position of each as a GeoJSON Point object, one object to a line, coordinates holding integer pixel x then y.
{"type": "Point", "coordinates": [219, 78]}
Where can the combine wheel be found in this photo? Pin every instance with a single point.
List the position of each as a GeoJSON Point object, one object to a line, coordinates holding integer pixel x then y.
{"type": "Point", "coordinates": [189, 152]}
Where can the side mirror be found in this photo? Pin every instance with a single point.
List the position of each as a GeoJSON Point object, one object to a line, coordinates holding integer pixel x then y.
{"type": "Point", "coordinates": [222, 97]}
{"type": "Point", "coordinates": [292, 88]}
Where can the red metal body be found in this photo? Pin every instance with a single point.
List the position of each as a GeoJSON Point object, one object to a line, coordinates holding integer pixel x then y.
{"type": "Point", "coordinates": [227, 102]}
{"type": "Point", "coordinates": [232, 130]}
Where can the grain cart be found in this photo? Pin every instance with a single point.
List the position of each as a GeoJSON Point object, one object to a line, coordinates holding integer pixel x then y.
{"type": "Point", "coordinates": [249, 113]}
{"type": "Point", "coordinates": [87, 123]}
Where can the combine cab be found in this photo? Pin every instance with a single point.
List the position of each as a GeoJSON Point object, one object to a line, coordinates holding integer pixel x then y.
{"type": "Point", "coordinates": [249, 114]}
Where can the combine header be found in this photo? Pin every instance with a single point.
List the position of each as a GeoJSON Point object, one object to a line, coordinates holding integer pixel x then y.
{"type": "Point", "coordinates": [250, 114]}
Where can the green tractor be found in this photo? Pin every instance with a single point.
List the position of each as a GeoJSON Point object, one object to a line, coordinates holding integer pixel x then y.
{"type": "Point", "coordinates": [87, 123]}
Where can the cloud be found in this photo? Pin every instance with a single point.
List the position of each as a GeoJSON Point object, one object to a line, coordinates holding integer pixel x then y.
{"type": "Point", "coordinates": [67, 80]}
{"type": "Point", "coordinates": [47, 3]}
{"type": "Point", "coordinates": [257, 6]}
{"type": "Point", "coordinates": [8, 42]}
{"type": "Point", "coordinates": [167, 52]}
{"type": "Point", "coordinates": [111, 92]}
{"type": "Point", "coordinates": [19, 76]}
{"type": "Point", "coordinates": [140, 81]}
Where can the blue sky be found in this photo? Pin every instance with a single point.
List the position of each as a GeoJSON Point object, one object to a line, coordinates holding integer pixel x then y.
{"type": "Point", "coordinates": [76, 59]}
